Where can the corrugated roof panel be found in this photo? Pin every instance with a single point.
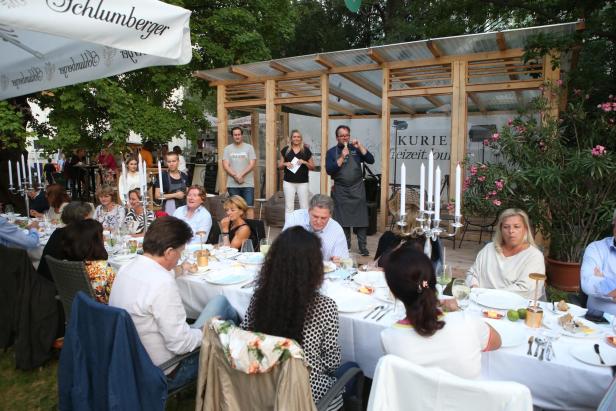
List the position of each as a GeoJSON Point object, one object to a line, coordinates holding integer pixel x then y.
{"type": "Point", "coordinates": [517, 38]}
{"type": "Point", "coordinates": [469, 44]}
{"type": "Point", "coordinates": [222, 74]}
{"type": "Point", "coordinates": [348, 86]}
{"type": "Point", "coordinates": [416, 50]}
{"type": "Point", "coordinates": [344, 58]}
{"type": "Point", "coordinates": [301, 63]}
{"type": "Point", "coordinates": [502, 100]}
{"type": "Point", "coordinates": [261, 68]}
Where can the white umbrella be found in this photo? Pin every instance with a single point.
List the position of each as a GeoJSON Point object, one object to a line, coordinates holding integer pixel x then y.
{"type": "Point", "coordinates": [53, 43]}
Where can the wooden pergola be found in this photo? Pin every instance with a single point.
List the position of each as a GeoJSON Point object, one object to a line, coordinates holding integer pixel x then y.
{"type": "Point", "coordinates": [470, 72]}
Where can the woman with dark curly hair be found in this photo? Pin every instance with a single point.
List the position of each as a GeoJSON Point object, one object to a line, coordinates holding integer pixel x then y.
{"type": "Point", "coordinates": [287, 303]}
{"type": "Point", "coordinates": [426, 336]}
{"type": "Point", "coordinates": [83, 241]}
{"type": "Point", "coordinates": [57, 199]}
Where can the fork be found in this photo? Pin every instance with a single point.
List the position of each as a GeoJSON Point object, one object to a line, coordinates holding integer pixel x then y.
{"type": "Point", "coordinates": [530, 345]}
{"type": "Point", "coordinates": [384, 313]}
{"type": "Point", "coordinates": [371, 312]}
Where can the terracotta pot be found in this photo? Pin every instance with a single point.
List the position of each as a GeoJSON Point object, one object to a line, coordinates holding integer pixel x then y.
{"type": "Point", "coordinates": [564, 276]}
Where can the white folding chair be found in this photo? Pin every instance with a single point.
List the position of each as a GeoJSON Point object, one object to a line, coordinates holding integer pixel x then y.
{"type": "Point", "coordinates": [401, 385]}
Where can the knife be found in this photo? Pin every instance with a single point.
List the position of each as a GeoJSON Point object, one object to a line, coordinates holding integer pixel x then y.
{"type": "Point", "coordinates": [599, 354]}
{"type": "Point", "coordinates": [378, 307]}
{"type": "Point", "coordinates": [385, 312]}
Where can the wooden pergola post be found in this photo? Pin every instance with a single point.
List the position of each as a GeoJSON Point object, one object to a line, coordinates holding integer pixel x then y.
{"type": "Point", "coordinates": [221, 112]}
{"type": "Point", "coordinates": [459, 113]}
{"type": "Point", "coordinates": [385, 137]}
{"type": "Point", "coordinates": [270, 138]}
{"type": "Point", "coordinates": [551, 75]}
{"type": "Point", "coordinates": [324, 129]}
{"type": "Point", "coordinates": [254, 137]}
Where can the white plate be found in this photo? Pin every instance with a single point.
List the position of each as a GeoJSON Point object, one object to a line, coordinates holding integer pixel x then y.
{"type": "Point", "coordinates": [371, 278]}
{"type": "Point", "coordinates": [552, 323]}
{"type": "Point", "coordinates": [353, 303]}
{"type": "Point", "coordinates": [225, 252]}
{"type": "Point", "coordinates": [574, 310]}
{"type": "Point", "coordinates": [586, 353]}
{"type": "Point", "coordinates": [499, 299]}
{"type": "Point", "coordinates": [123, 257]}
{"type": "Point", "coordinates": [251, 258]}
{"type": "Point", "coordinates": [192, 247]}
{"type": "Point", "coordinates": [383, 294]}
{"type": "Point", "coordinates": [227, 278]}
{"type": "Point", "coordinates": [511, 334]}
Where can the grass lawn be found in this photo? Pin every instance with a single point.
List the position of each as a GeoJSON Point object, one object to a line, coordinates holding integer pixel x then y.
{"type": "Point", "coordinates": [37, 389]}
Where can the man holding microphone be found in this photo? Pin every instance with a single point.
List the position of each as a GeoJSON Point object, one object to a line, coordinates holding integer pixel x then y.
{"type": "Point", "coordinates": [343, 164]}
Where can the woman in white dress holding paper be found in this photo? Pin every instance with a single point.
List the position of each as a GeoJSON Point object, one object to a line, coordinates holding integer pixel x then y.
{"type": "Point", "coordinates": [296, 160]}
{"type": "Point", "coordinates": [132, 178]}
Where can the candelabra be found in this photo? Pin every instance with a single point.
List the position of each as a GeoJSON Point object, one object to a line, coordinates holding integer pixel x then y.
{"type": "Point", "coordinates": [427, 225]}
{"type": "Point", "coordinates": [23, 189]}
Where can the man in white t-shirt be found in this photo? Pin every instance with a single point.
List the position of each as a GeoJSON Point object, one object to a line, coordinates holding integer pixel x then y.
{"type": "Point", "coordinates": [238, 161]}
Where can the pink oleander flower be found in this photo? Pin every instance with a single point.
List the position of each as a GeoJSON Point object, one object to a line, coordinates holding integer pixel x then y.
{"type": "Point", "coordinates": [500, 184]}
{"type": "Point", "coordinates": [466, 184]}
{"type": "Point", "coordinates": [496, 202]}
{"type": "Point", "coordinates": [473, 169]}
{"type": "Point", "coordinates": [493, 193]}
{"type": "Point", "coordinates": [486, 142]}
{"type": "Point", "coordinates": [450, 206]}
{"type": "Point", "coordinates": [510, 122]}
{"type": "Point", "coordinates": [559, 82]}
{"type": "Point", "coordinates": [481, 178]}
{"type": "Point", "coordinates": [495, 137]}
{"type": "Point", "coordinates": [598, 151]}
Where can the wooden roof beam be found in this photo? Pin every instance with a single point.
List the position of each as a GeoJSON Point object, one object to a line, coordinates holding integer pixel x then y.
{"type": "Point", "coordinates": [434, 49]}
{"type": "Point", "coordinates": [376, 56]}
{"type": "Point", "coordinates": [500, 41]}
{"type": "Point", "coordinates": [340, 108]}
{"type": "Point", "coordinates": [240, 71]}
{"type": "Point", "coordinates": [335, 91]}
{"type": "Point", "coordinates": [324, 62]}
{"type": "Point", "coordinates": [203, 75]}
{"type": "Point", "coordinates": [306, 110]}
{"type": "Point", "coordinates": [403, 106]}
{"type": "Point", "coordinates": [376, 90]}
{"type": "Point", "coordinates": [475, 99]}
{"type": "Point", "coordinates": [280, 67]}
{"type": "Point", "coordinates": [434, 100]}
{"type": "Point", "coordinates": [502, 45]}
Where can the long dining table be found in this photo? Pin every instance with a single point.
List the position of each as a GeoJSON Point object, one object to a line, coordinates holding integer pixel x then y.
{"type": "Point", "coordinates": [564, 382]}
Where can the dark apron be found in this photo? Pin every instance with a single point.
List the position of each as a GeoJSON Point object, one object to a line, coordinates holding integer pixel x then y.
{"type": "Point", "coordinates": [349, 194]}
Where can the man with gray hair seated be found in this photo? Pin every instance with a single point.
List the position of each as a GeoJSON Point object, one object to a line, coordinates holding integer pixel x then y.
{"type": "Point", "coordinates": [598, 272]}
{"type": "Point", "coordinates": [318, 219]}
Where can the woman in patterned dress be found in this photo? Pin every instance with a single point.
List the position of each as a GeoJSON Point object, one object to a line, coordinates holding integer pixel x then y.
{"type": "Point", "coordinates": [83, 241]}
{"type": "Point", "coordinates": [287, 303]}
{"type": "Point", "coordinates": [108, 213]}
{"type": "Point", "coordinates": [134, 218]}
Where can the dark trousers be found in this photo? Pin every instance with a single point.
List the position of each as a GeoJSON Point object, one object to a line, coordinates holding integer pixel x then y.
{"type": "Point", "coordinates": [360, 232]}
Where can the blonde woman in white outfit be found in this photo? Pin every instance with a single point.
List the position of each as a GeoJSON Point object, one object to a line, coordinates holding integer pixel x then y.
{"type": "Point", "coordinates": [132, 178]}
{"type": "Point", "coordinates": [296, 160]}
{"type": "Point", "coordinates": [506, 262]}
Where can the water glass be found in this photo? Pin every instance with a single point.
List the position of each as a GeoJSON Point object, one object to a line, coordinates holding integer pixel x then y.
{"type": "Point", "coordinates": [264, 246]}
{"type": "Point", "coordinates": [222, 239]}
{"type": "Point", "coordinates": [247, 246]}
{"type": "Point", "coordinates": [443, 278]}
{"type": "Point", "coordinates": [461, 292]}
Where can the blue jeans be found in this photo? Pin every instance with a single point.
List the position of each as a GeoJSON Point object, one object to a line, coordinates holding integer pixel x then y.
{"type": "Point", "coordinates": [188, 368]}
{"type": "Point", "coordinates": [247, 193]}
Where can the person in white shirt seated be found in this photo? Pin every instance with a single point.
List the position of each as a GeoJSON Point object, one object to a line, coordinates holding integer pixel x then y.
{"type": "Point", "coordinates": [146, 288]}
{"type": "Point", "coordinates": [598, 272]}
{"type": "Point", "coordinates": [195, 214]}
{"type": "Point", "coordinates": [506, 262]}
{"type": "Point", "coordinates": [318, 219]}
{"type": "Point", "coordinates": [428, 337]}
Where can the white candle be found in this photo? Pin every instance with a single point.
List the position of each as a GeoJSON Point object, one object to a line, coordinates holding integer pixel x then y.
{"type": "Point", "coordinates": [422, 188]}
{"type": "Point", "coordinates": [160, 177]}
{"type": "Point", "coordinates": [10, 174]}
{"type": "Point", "coordinates": [139, 163]}
{"type": "Point", "coordinates": [29, 168]}
{"type": "Point", "coordinates": [402, 189]}
{"type": "Point", "coordinates": [458, 188]}
{"type": "Point", "coordinates": [18, 175]}
{"type": "Point", "coordinates": [23, 167]}
{"type": "Point", "coordinates": [145, 177]}
{"type": "Point", "coordinates": [430, 176]}
{"type": "Point", "coordinates": [437, 194]}
{"type": "Point", "coordinates": [40, 171]}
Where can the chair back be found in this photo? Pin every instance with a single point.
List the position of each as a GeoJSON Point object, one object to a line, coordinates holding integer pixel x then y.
{"type": "Point", "coordinates": [257, 232]}
{"type": "Point", "coordinates": [212, 237]}
{"type": "Point", "coordinates": [103, 364]}
{"type": "Point", "coordinates": [399, 384]}
{"type": "Point", "coordinates": [69, 277]}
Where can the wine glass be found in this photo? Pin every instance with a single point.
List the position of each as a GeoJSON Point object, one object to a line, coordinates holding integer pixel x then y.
{"type": "Point", "coordinates": [222, 238]}
{"type": "Point", "coordinates": [443, 277]}
{"type": "Point", "coordinates": [461, 292]}
{"type": "Point", "coordinates": [247, 246]}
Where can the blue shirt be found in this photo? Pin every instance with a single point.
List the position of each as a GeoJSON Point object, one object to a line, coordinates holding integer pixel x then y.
{"type": "Point", "coordinates": [13, 236]}
{"type": "Point", "coordinates": [602, 255]}
{"type": "Point", "coordinates": [333, 241]}
{"type": "Point", "coordinates": [331, 163]}
{"type": "Point", "coordinates": [201, 220]}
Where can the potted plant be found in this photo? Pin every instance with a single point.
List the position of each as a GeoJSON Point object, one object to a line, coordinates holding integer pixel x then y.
{"type": "Point", "coordinates": [562, 172]}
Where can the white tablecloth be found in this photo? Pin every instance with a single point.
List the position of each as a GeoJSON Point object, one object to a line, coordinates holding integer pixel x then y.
{"type": "Point", "coordinates": [563, 383]}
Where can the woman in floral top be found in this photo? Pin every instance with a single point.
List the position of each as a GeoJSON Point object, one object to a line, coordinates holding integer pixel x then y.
{"type": "Point", "coordinates": [134, 218]}
{"type": "Point", "coordinates": [287, 303]}
{"type": "Point", "coordinates": [83, 241]}
{"type": "Point", "coordinates": [108, 213]}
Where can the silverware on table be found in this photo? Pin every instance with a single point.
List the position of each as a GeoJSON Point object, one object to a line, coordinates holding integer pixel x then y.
{"type": "Point", "coordinates": [542, 352]}
{"type": "Point", "coordinates": [384, 313]}
{"type": "Point", "coordinates": [375, 309]}
{"type": "Point", "coordinates": [599, 354]}
{"type": "Point", "coordinates": [377, 312]}
{"type": "Point", "coordinates": [249, 285]}
{"type": "Point", "coordinates": [539, 341]}
{"type": "Point", "coordinates": [531, 339]}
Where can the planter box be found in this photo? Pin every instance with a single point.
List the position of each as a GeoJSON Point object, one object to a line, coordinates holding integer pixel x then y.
{"type": "Point", "coordinates": [563, 276]}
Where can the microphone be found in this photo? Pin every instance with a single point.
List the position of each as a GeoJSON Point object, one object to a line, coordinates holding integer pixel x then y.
{"type": "Point", "coordinates": [346, 145]}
